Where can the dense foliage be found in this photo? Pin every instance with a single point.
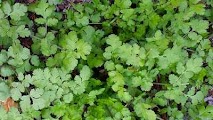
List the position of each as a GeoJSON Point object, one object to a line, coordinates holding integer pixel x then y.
{"type": "Point", "coordinates": [106, 59]}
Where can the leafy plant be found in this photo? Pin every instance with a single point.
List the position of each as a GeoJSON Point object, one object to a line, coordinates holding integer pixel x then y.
{"type": "Point", "coordinates": [106, 59]}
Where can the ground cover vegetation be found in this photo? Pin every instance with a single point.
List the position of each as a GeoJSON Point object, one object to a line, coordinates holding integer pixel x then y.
{"type": "Point", "coordinates": [106, 59]}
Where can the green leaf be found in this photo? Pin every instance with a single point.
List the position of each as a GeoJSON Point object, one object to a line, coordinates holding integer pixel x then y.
{"type": "Point", "coordinates": [52, 21]}
{"type": "Point", "coordinates": [199, 26]}
{"type": "Point", "coordinates": [70, 63]}
{"type": "Point", "coordinates": [146, 85]}
{"type": "Point", "coordinates": [109, 65]}
{"type": "Point", "coordinates": [82, 21]}
{"type": "Point", "coordinates": [42, 31]}
{"type": "Point", "coordinates": [198, 9]}
{"type": "Point", "coordinates": [36, 93]}
{"type": "Point", "coordinates": [3, 57]}
{"type": "Point", "coordinates": [40, 20]}
{"type": "Point", "coordinates": [1, 14]}
{"type": "Point", "coordinates": [21, 76]}
{"type": "Point", "coordinates": [69, 41]}
{"type": "Point", "coordinates": [25, 103]}
{"type": "Point", "coordinates": [197, 98]}
{"type": "Point", "coordinates": [123, 3]}
{"type": "Point", "coordinates": [22, 31]}
{"type": "Point", "coordinates": [43, 9]}
{"type": "Point", "coordinates": [174, 80]}
{"type": "Point", "coordinates": [6, 71]}
{"type": "Point", "coordinates": [25, 53]}
{"type": "Point", "coordinates": [4, 91]}
{"type": "Point", "coordinates": [142, 111]}
{"type": "Point", "coordinates": [47, 45]}
{"type": "Point", "coordinates": [35, 60]}
{"type": "Point", "coordinates": [38, 104]}
{"type": "Point", "coordinates": [6, 8]}
{"type": "Point", "coordinates": [194, 65]}
{"type": "Point", "coordinates": [19, 10]}
{"type": "Point", "coordinates": [85, 73]}
{"type": "Point", "coordinates": [15, 94]}
{"type": "Point", "coordinates": [68, 98]}
{"type": "Point", "coordinates": [124, 96]}
{"type": "Point", "coordinates": [4, 115]}
{"type": "Point", "coordinates": [114, 41]}
{"type": "Point", "coordinates": [180, 68]}
{"type": "Point", "coordinates": [83, 49]}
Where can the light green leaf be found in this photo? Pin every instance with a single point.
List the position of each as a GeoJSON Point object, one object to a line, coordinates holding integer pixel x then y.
{"type": "Point", "coordinates": [85, 73]}
{"type": "Point", "coordinates": [35, 60]}
{"type": "Point", "coordinates": [6, 71]}
{"type": "Point", "coordinates": [52, 21]}
{"type": "Point", "coordinates": [15, 94]}
{"type": "Point", "coordinates": [82, 21]}
{"type": "Point", "coordinates": [4, 91]}
{"type": "Point", "coordinates": [1, 14]}
{"type": "Point", "coordinates": [123, 3]}
{"type": "Point", "coordinates": [43, 9]}
{"type": "Point", "coordinates": [40, 20]}
{"type": "Point", "coordinates": [68, 98]}
{"type": "Point", "coordinates": [3, 57]}
{"type": "Point", "coordinates": [69, 64]}
{"type": "Point", "coordinates": [109, 65]}
{"type": "Point", "coordinates": [174, 80]}
{"type": "Point", "coordinates": [38, 104]}
{"type": "Point", "coordinates": [20, 76]}
{"type": "Point", "coordinates": [25, 103]}
{"type": "Point", "coordinates": [199, 26]}
{"type": "Point", "coordinates": [83, 49]}
{"type": "Point", "coordinates": [197, 98]}
{"type": "Point", "coordinates": [19, 10]}
{"type": "Point", "coordinates": [6, 8]}
{"type": "Point", "coordinates": [180, 68]}
{"type": "Point", "coordinates": [113, 40]}
{"type": "Point", "coordinates": [22, 31]}
{"type": "Point", "coordinates": [36, 93]}
{"type": "Point", "coordinates": [194, 65]}
{"type": "Point", "coordinates": [25, 53]}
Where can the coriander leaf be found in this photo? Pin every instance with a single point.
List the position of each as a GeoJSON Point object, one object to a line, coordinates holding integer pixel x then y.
{"type": "Point", "coordinates": [69, 63]}
{"type": "Point", "coordinates": [68, 98]}
{"type": "Point", "coordinates": [198, 97]}
{"type": "Point", "coordinates": [25, 103]}
{"type": "Point", "coordinates": [15, 94]}
{"type": "Point", "coordinates": [35, 60]}
{"type": "Point", "coordinates": [85, 73]}
{"type": "Point", "coordinates": [114, 41]}
{"type": "Point", "coordinates": [38, 104]}
{"type": "Point", "coordinates": [3, 57]}
{"type": "Point", "coordinates": [180, 68]}
{"type": "Point", "coordinates": [6, 71]}
{"type": "Point", "coordinates": [22, 31]}
{"type": "Point", "coordinates": [6, 8]}
{"type": "Point", "coordinates": [1, 14]}
{"type": "Point", "coordinates": [123, 3]}
{"type": "Point", "coordinates": [43, 9]}
{"type": "Point", "coordinates": [52, 21]}
{"type": "Point", "coordinates": [4, 91]}
{"type": "Point", "coordinates": [82, 21]}
{"type": "Point", "coordinates": [19, 10]}
{"type": "Point", "coordinates": [83, 49]}
{"type": "Point", "coordinates": [194, 65]}
{"type": "Point", "coordinates": [36, 93]}
{"type": "Point", "coordinates": [199, 26]}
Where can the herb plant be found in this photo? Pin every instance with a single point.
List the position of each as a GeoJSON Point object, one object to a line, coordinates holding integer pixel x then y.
{"type": "Point", "coordinates": [106, 59]}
